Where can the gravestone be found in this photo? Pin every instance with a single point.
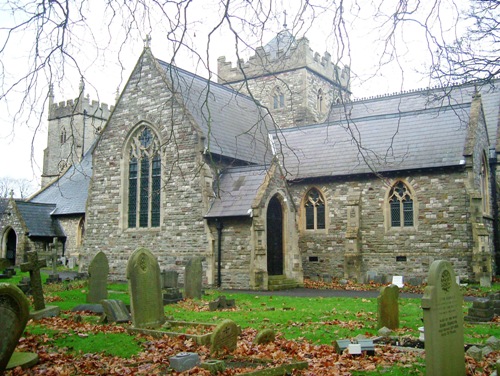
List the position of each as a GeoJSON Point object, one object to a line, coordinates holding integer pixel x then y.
{"type": "Point", "coordinates": [221, 303]}
{"type": "Point", "coordinates": [171, 293]}
{"type": "Point", "coordinates": [14, 314]}
{"type": "Point", "coordinates": [388, 307]}
{"type": "Point", "coordinates": [143, 274]}
{"type": "Point", "coordinates": [264, 337]}
{"type": "Point", "coordinates": [398, 281]}
{"type": "Point", "coordinates": [482, 310]}
{"type": "Point", "coordinates": [443, 322]}
{"type": "Point", "coordinates": [98, 278]}
{"type": "Point", "coordinates": [54, 276]}
{"type": "Point", "coordinates": [224, 337]}
{"type": "Point", "coordinates": [33, 266]}
{"type": "Point", "coordinates": [115, 311]}
{"type": "Point", "coordinates": [192, 278]}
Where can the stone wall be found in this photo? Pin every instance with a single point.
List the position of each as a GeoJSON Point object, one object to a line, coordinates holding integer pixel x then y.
{"type": "Point", "coordinates": [182, 232]}
{"type": "Point", "coordinates": [443, 229]}
{"type": "Point", "coordinates": [70, 227]}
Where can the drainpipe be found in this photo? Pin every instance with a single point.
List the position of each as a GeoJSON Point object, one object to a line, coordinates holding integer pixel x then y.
{"type": "Point", "coordinates": [219, 226]}
{"type": "Point", "coordinates": [494, 199]}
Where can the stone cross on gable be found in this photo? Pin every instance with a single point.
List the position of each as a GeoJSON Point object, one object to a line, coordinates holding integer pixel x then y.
{"type": "Point", "coordinates": [147, 41]}
{"type": "Point", "coordinates": [33, 266]}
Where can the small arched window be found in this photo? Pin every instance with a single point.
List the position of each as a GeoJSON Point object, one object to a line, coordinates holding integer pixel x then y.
{"type": "Point", "coordinates": [485, 185]}
{"type": "Point", "coordinates": [144, 180]}
{"type": "Point", "coordinates": [278, 98]}
{"type": "Point", "coordinates": [63, 136]}
{"type": "Point", "coordinates": [314, 207]}
{"type": "Point", "coordinates": [401, 205]}
{"type": "Point", "coordinates": [320, 101]}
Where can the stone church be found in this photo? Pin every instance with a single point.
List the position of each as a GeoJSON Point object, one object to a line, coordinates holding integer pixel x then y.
{"type": "Point", "coordinates": [272, 174]}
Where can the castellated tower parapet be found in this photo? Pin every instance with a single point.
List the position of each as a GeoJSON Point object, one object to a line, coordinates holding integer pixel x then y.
{"type": "Point", "coordinates": [296, 84]}
{"type": "Point", "coordinates": [73, 127]}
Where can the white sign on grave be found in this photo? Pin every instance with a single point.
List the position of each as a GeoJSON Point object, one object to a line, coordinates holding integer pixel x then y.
{"type": "Point", "coordinates": [398, 281]}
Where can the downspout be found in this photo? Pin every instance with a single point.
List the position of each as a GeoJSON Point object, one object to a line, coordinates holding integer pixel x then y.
{"type": "Point", "coordinates": [219, 225]}
{"type": "Point", "coordinates": [494, 199]}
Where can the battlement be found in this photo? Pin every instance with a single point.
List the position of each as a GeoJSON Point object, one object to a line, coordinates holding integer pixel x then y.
{"type": "Point", "coordinates": [79, 106]}
{"type": "Point", "coordinates": [292, 55]}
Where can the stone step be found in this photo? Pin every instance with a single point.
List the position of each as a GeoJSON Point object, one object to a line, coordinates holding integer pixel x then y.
{"type": "Point", "coordinates": [280, 282]}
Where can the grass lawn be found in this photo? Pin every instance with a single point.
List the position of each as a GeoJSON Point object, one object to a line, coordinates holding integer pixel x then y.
{"type": "Point", "coordinates": [306, 330]}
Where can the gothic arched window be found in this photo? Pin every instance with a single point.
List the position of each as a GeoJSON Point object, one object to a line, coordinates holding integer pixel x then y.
{"type": "Point", "coordinates": [144, 180]}
{"type": "Point", "coordinates": [278, 98]}
{"type": "Point", "coordinates": [401, 205]}
{"type": "Point", "coordinates": [314, 207]}
{"type": "Point", "coordinates": [63, 136]}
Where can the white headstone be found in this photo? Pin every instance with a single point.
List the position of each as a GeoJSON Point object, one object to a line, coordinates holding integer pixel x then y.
{"type": "Point", "coordinates": [398, 281]}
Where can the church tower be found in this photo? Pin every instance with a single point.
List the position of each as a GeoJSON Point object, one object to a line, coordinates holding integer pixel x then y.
{"type": "Point", "coordinates": [297, 85]}
{"type": "Point", "coordinates": [73, 126]}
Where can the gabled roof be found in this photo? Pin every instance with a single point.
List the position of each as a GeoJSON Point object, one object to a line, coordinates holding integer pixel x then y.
{"type": "Point", "coordinates": [233, 124]}
{"type": "Point", "coordinates": [283, 42]}
{"type": "Point", "coordinates": [380, 141]}
{"type": "Point", "coordinates": [236, 191]}
{"type": "Point", "coordinates": [38, 219]}
{"type": "Point", "coordinates": [69, 192]}
{"type": "Point", "coordinates": [426, 99]}
{"type": "Point", "coordinates": [4, 202]}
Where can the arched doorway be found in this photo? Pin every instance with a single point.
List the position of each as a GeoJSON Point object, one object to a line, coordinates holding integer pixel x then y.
{"type": "Point", "coordinates": [274, 237]}
{"type": "Point", "coordinates": [11, 244]}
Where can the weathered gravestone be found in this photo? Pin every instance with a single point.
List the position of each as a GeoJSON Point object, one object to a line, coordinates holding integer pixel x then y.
{"type": "Point", "coordinates": [143, 274]}
{"type": "Point", "coordinates": [170, 289]}
{"type": "Point", "coordinates": [443, 322]}
{"type": "Point", "coordinates": [192, 278]}
{"type": "Point", "coordinates": [54, 275]}
{"type": "Point", "coordinates": [14, 314]}
{"type": "Point", "coordinates": [33, 266]}
{"type": "Point", "coordinates": [221, 303]}
{"type": "Point", "coordinates": [224, 337]}
{"type": "Point", "coordinates": [98, 278]}
{"type": "Point", "coordinates": [115, 311]}
{"type": "Point", "coordinates": [388, 307]}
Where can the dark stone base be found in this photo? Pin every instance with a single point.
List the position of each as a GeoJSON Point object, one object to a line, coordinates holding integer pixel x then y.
{"type": "Point", "coordinates": [48, 311]}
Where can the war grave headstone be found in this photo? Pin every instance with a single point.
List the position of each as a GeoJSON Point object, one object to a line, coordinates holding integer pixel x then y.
{"type": "Point", "coordinates": [388, 307]}
{"type": "Point", "coordinates": [443, 322]}
{"type": "Point", "coordinates": [143, 274]}
{"type": "Point", "coordinates": [98, 278]}
{"type": "Point", "coordinates": [33, 266]}
{"type": "Point", "coordinates": [192, 278]}
{"type": "Point", "coordinates": [14, 315]}
{"type": "Point", "coordinates": [170, 289]}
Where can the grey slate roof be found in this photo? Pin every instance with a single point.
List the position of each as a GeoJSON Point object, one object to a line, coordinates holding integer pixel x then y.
{"type": "Point", "coordinates": [4, 202]}
{"type": "Point", "coordinates": [380, 142]}
{"type": "Point", "coordinates": [69, 192]}
{"type": "Point", "coordinates": [425, 99]}
{"type": "Point", "coordinates": [234, 126]}
{"type": "Point", "coordinates": [38, 219]}
{"type": "Point", "coordinates": [283, 42]}
{"type": "Point", "coordinates": [237, 190]}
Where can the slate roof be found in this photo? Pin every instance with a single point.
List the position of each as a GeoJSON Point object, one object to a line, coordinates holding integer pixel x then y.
{"type": "Point", "coordinates": [234, 126]}
{"type": "Point", "coordinates": [4, 202]}
{"type": "Point", "coordinates": [38, 219]}
{"type": "Point", "coordinates": [381, 142]}
{"type": "Point", "coordinates": [425, 99]}
{"type": "Point", "coordinates": [283, 42]}
{"type": "Point", "coordinates": [236, 191]}
{"type": "Point", "coordinates": [69, 192]}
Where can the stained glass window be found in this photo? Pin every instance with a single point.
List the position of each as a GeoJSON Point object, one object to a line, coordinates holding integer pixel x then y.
{"type": "Point", "coordinates": [401, 206]}
{"type": "Point", "coordinates": [314, 206]}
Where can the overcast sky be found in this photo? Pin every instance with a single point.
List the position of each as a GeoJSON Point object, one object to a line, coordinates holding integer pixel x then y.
{"type": "Point", "coordinates": [23, 139]}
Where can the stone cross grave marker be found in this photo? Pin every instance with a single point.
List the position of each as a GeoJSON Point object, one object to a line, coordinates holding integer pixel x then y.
{"type": "Point", "coordinates": [98, 278]}
{"type": "Point", "coordinates": [14, 314]}
{"type": "Point", "coordinates": [33, 266]}
{"type": "Point", "coordinates": [192, 278]}
{"type": "Point", "coordinates": [388, 307]}
{"type": "Point", "coordinates": [143, 274]}
{"type": "Point", "coordinates": [443, 322]}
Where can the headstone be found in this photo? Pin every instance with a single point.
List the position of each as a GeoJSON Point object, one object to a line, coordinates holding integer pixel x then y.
{"type": "Point", "coordinates": [170, 290]}
{"type": "Point", "coordinates": [388, 307]}
{"type": "Point", "coordinates": [493, 342]}
{"type": "Point", "coordinates": [215, 366]}
{"type": "Point", "coordinates": [265, 336]}
{"type": "Point", "coordinates": [481, 311]}
{"type": "Point", "coordinates": [71, 262]}
{"type": "Point", "coordinates": [115, 311]}
{"type": "Point", "coordinates": [14, 314]}
{"type": "Point", "coordinates": [221, 303]}
{"type": "Point", "coordinates": [443, 322]}
{"type": "Point", "coordinates": [143, 274]}
{"type": "Point", "coordinates": [224, 337]}
{"type": "Point", "coordinates": [184, 361]}
{"type": "Point", "coordinates": [94, 308]}
{"type": "Point", "coordinates": [192, 278]}
{"type": "Point", "coordinates": [33, 266]}
{"type": "Point", "coordinates": [398, 281]}
{"type": "Point", "coordinates": [98, 278]}
{"type": "Point", "coordinates": [53, 276]}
